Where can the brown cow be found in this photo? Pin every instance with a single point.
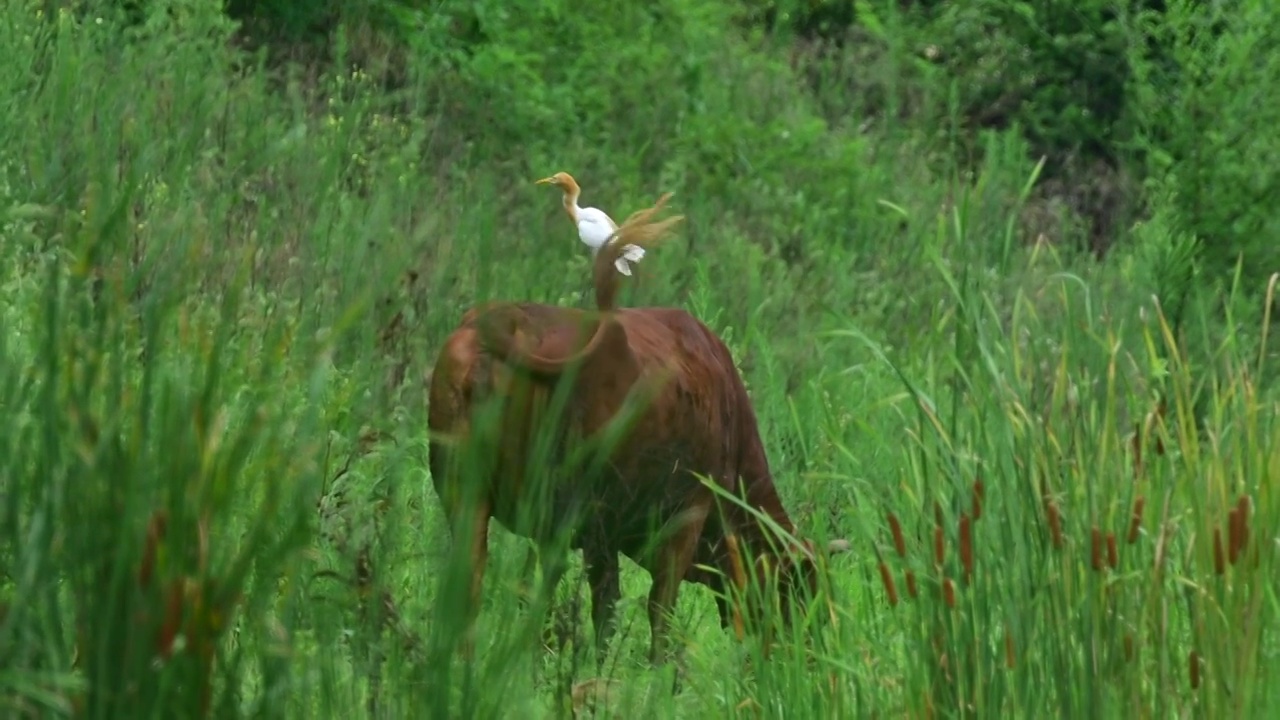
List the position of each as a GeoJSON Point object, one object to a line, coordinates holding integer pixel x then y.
{"type": "Point", "coordinates": [661, 378]}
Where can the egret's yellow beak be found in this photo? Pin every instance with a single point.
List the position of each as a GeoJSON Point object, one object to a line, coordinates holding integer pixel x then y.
{"type": "Point", "coordinates": [546, 180]}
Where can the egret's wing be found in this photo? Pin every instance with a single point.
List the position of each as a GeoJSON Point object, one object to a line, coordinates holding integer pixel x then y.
{"type": "Point", "coordinates": [595, 227]}
{"type": "Point", "coordinates": [634, 253]}
{"type": "Point", "coordinates": [630, 254]}
{"type": "Point", "coordinates": [603, 216]}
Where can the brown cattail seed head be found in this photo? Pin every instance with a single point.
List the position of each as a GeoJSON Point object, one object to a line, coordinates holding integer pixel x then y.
{"type": "Point", "coordinates": [1055, 522]}
{"type": "Point", "coordinates": [1242, 505]}
{"type": "Point", "coordinates": [966, 546]}
{"type": "Point", "coordinates": [937, 545]}
{"type": "Point", "coordinates": [1233, 535]}
{"type": "Point", "coordinates": [1135, 522]}
{"type": "Point", "coordinates": [889, 589]}
{"type": "Point", "coordinates": [899, 543]}
{"type": "Point", "coordinates": [1242, 509]}
{"type": "Point", "coordinates": [156, 530]}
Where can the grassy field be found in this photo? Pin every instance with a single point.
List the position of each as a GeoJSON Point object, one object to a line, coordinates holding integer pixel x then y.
{"type": "Point", "coordinates": [223, 284]}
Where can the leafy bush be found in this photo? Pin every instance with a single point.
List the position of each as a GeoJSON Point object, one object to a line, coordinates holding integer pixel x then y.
{"type": "Point", "coordinates": [1200, 104]}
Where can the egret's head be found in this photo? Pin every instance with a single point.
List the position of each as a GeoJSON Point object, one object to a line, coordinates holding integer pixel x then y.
{"type": "Point", "coordinates": [560, 179]}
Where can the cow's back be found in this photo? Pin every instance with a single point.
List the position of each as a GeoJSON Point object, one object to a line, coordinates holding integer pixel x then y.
{"type": "Point", "coordinates": [692, 424]}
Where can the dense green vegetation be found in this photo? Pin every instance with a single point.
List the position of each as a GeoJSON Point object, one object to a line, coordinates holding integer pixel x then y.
{"type": "Point", "coordinates": [1001, 271]}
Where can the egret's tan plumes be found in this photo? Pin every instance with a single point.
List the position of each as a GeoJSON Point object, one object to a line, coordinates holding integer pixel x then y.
{"type": "Point", "coordinates": [639, 230]}
{"type": "Point", "coordinates": [595, 228]}
{"type": "Point", "coordinates": [499, 325]}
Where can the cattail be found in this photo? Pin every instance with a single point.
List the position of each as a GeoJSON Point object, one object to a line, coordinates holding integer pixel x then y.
{"type": "Point", "coordinates": [1233, 535]}
{"type": "Point", "coordinates": [1113, 555]}
{"type": "Point", "coordinates": [738, 575]}
{"type": "Point", "coordinates": [1135, 522]}
{"type": "Point", "coordinates": [938, 539]}
{"type": "Point", "coordinates": [1128, 647]}
{"type": "Point", "coordinates": [944, 661]}
{"type": "Point", "coordinates": [172, 621]}
{"type": "Point", "coordinates": [1136, 443]}
{"type": "Point", "coordinates": [1009, 656]}
{"type": "Point", "coordinates": [1161, 537]}
{"type": "Point", "coordinates": [1193, 663]}
{"type": "Point", "coordinates": [899, 543]}
{"type": "Point", "coordinates": [1219, 564]}
{"type": "Point", "coordinates": [1242, 507]}
{"type": "Point", "coordinates": [889, 589]}
{"type": "Point", "coordinates": [156, 529]}
{"type": "Point", "coordinates": [979, 494]}
{"type": "Point", "coordinates": [966, 546]}
{"type": "Point", "coordinates": [911, 584]}
{"type": "Point", "coordinates": [1055, 522]}
{"type": "Point", "coordinates": [1095, 549]}
{"type": "Point", "coordinates": [949, 592]}
{"type": "Point", "coordinates": [937, 545]}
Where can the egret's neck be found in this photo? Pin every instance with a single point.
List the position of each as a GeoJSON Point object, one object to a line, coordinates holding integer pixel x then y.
{"type": "Point", "coordinates": [571, 203]}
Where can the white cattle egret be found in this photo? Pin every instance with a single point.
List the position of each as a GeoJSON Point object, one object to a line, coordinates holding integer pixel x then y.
{"type": "Point", "coordinates": [595, 227]}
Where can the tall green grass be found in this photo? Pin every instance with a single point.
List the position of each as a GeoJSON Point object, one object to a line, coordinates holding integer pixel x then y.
{"type": "Point", "coordinates": [223, 287]}
{"type": "Point", "coordinates": [1066, 510]}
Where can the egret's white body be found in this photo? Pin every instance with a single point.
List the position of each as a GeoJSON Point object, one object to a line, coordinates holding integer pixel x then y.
{"type": "Point", "coordinates": [595, 227]}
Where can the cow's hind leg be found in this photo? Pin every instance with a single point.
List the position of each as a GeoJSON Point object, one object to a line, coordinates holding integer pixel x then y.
{"type": "Point", "coordinates": [468, 523]}
{"type": "Point", "coordinates": [524, 589]}
{"type": "Point", "coordinates": [603, 575]}
{"type": "Point", "coordinates": [554, 560]}
{"type": "Point", "coordinates": [478, 538]}
{"type": "Point", "coordinates": [671, 563]}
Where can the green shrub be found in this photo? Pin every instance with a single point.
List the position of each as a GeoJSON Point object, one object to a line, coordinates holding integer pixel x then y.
{"type": "Point", "coordinates": [1201, 99]}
